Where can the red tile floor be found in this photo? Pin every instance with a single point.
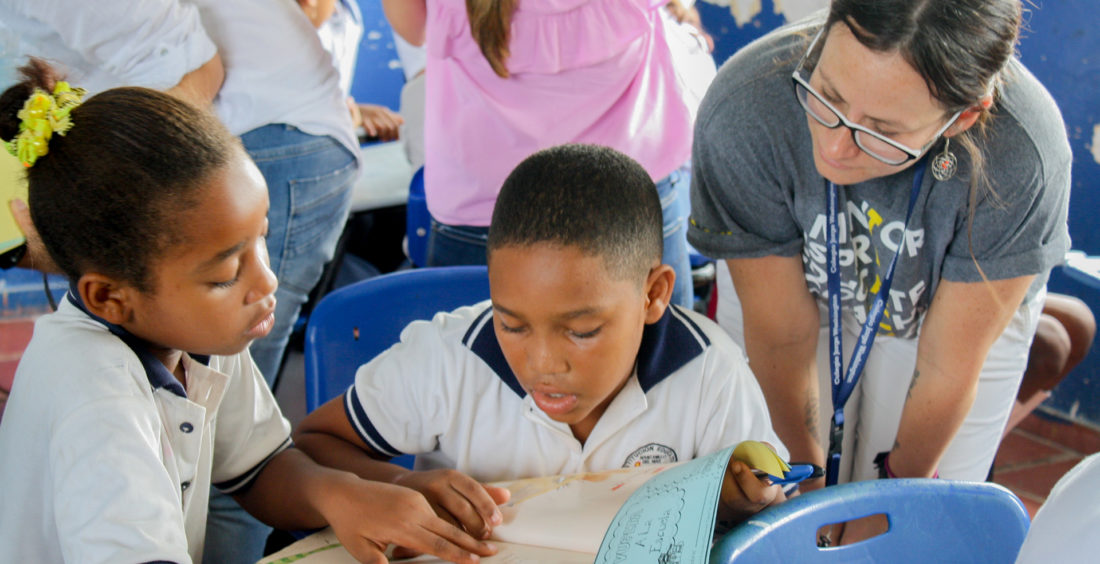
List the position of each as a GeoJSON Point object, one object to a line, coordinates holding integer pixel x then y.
{"type": "Point", "coordinates": [1031, 458]}
{"type": "Point", "coordinates": [1038, 452]}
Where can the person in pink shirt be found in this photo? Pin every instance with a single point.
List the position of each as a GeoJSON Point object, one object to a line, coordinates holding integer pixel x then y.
{"type": "Point", "coordinates": [510, 77]}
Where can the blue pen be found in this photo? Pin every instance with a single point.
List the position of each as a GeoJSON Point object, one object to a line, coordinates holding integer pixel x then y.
{"type": "Point", "coordinates": [796, 474]}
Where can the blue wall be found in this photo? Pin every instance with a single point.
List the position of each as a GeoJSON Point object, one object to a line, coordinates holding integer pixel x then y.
{"type": "Point", "coordinates": [1061, 45]}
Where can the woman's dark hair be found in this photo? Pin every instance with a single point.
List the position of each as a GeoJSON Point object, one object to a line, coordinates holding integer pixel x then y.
{"type": "Point", "coordinates": [959, 47]}
{"type": "Point", "coordinates": [104, 196]}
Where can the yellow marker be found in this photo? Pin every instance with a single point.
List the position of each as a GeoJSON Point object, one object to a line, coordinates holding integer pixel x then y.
{"type": "Point", "coordinates": [761, 457]}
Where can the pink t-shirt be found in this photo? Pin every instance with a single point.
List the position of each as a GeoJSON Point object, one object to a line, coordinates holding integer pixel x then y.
{"type": "Point", "coordinates": [582, 71]}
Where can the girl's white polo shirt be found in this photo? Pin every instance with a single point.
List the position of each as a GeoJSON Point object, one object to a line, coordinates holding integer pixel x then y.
{"type": "Point", "coordinates": [103, 458]}
{"type": "Point", "coordinates": [446, 394]}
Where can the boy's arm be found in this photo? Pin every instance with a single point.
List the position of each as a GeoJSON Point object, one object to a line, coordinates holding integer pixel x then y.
{"type": "Point", "coordinates": [327, 436]}
{"type": "Point", "coordinates": [293, 492]}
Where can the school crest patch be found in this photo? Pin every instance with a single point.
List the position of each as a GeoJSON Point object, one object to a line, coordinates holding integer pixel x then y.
{"type": "Point", "coordinates": [652, 453]}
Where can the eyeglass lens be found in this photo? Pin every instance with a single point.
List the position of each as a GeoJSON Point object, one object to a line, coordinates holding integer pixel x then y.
{"type": "Point", "coordinates": [827, 117]}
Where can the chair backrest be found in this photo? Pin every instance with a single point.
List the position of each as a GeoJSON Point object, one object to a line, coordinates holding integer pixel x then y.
{"type": "Point", "coordinates": [352, 325]}
{"type": "Point", "coordinates": [418, 221]}
{"type": "Point", "coordinates": [930, 521]}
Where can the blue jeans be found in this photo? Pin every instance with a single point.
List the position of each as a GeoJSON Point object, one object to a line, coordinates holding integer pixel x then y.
{"type": "Point", "coordinates": [454, 245]}
{"type": "Point", "coordinates": [309, 180]}
{"type": "Point", "coordinates": [450, 245]}
{"type": "Point", "coordinates": [674, 191]}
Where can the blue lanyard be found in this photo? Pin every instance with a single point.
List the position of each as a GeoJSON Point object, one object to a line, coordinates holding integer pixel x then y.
{"type": "Point", "coordinates": [843, 386]}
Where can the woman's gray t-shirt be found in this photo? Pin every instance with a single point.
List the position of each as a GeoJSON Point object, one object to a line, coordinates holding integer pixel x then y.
{"type": "Point", "coordinates": [755, 191]}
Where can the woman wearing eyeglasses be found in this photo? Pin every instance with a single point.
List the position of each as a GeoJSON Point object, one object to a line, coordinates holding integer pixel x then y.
{"type": "Point", "coordinates": [897, 158]}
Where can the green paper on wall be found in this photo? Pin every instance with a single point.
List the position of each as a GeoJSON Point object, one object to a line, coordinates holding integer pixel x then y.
{"type": "Point", "coordinates": [13, 185]}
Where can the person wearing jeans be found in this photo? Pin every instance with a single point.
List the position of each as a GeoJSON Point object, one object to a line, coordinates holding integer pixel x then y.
{"type": "Point", "coordinates": [309, 179]}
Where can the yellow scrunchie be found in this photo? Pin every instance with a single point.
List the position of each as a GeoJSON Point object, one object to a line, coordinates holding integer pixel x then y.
{"type": "Point", "coordinates": [43, 115]}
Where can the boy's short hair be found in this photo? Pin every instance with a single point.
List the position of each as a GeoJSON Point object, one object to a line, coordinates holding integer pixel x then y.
{"type": "Point", "coordinates": [586, 196]}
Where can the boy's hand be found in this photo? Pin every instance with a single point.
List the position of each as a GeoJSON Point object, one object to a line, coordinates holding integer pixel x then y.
{"type": "Point", "coordinates": [744, 494]}
{"type": "Point", "coordinates": [367, 516]}
{"type": "Point", "coordinates": [460, 499]}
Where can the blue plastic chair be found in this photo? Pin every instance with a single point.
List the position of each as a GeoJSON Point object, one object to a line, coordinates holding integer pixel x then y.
{"type": "Point", "coordinates": [418, 222]}
{"type": "Point", "coordinates": [930, 521]}
{"type": "Point", "coordinates": [354, 324]}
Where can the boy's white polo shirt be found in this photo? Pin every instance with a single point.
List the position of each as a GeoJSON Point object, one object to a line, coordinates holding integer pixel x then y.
{"type": "Point", "coordinates": [446, 394]}
{"type": "Point", "coordinates": [105, 458]}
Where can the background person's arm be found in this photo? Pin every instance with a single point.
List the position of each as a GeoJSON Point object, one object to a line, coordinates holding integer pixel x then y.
{"type": "Point", "coordinates": [781, 324]}
{"type": "Point", "coordinates": [408, 18]}
{"type": "Point", "coordinates": [201, 86]}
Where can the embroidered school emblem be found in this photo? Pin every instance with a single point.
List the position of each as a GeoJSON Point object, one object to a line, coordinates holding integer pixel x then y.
{"type": "Point", "coordinates": [652, 453]}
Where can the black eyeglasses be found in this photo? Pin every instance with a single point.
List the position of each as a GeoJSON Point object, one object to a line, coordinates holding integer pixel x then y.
{"type": "Point", "coordinates": [875, 144]}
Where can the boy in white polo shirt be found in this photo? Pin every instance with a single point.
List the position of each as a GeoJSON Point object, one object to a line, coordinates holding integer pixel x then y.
{"type": "Point", "coordinates": [576, 364]}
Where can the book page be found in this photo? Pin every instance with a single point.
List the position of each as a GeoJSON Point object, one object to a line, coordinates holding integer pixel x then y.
{"type": "Point", "coordinates": [517, 554]}
{"type": "Point", "coordinates": [324, 548]}
{"type": "Point", "coordinates": [569, 512]}
{"type": "Point", "coordinates": [659, 513]}
{"type": "Point", "coordinates": [548, 519]}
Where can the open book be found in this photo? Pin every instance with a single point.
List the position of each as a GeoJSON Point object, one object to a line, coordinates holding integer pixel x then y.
{"type": "Point", "coordinates": [658, 513]}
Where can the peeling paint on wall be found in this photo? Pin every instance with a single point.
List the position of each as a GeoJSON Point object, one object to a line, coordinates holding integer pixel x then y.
{"type": "Point", "coordinates": [1096, 143]}
{"type": "Point", "coordinates": [745, 11]}
{"type": "Point", "coordinates": [795, 10]}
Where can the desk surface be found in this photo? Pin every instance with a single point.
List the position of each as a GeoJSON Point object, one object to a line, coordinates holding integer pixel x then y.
{"type": "Point", "coordinates": [384, 178]}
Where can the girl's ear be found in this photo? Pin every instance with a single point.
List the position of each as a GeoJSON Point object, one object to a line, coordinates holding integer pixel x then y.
{"type": "Point", "coordinates": [106, 297]}
{"type": "Point", "coordinates": [658, 291]}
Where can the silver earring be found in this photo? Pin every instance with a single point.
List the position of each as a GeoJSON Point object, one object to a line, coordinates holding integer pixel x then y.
{"type": "Point", "coordinates": [945, 163]}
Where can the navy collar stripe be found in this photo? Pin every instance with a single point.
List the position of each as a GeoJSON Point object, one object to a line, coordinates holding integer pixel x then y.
{"type": "Point", "coordinates": [363, 427]}
{"type": "Point", "coordinates": [667, 346]}
{"type": "Point", "coordinates": [482, 340]}
{"type": "Point", "coordinates": [242, 483]}
{"type": "Point", "coordinates": [155, 371]}
{"type": "Point", "coordinates": [696, 332]}
{"type": "Point", "coordinates": [476, 326]}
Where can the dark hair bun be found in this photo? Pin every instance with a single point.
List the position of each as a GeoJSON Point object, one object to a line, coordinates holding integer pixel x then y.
{"type": "Point", "coordinates": [35, 74]}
